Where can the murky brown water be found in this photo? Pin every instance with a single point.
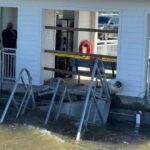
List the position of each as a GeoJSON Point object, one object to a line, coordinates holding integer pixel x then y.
{"type": "Point", "coordinates": [24, 137]}
{"type": "Point", "coordinates": [117, 136]}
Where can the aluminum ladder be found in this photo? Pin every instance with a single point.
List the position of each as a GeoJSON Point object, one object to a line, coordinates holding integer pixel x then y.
{"type": "Point", "coordinates": [60, 89]}
{"type": "Point", "coordinates": [21, 106]}
{"type": "Point", "coordinates": [98, 78]}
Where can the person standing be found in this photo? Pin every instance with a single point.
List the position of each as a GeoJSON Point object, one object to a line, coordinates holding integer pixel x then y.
{"type": "Point", "coordinates": [9, 41]}
{"type": "Point", "coordinates": [9, 36]}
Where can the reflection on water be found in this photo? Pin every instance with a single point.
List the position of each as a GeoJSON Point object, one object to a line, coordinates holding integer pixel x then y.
{"type": "Point", "coordinates": [117, 136]}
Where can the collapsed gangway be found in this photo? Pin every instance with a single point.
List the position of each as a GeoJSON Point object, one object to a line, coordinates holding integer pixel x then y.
{"type": "Point", "coordinates": [97, 91]}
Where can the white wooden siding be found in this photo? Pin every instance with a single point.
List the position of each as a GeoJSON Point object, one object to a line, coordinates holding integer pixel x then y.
{"type": "Point", "coordinates": [48, 42]}
{"type": "Point", "coordinates": [30, 41]}
{"type": "Point", "coordinates": [130, 59]}
{"type": "Point", "coordinates": [132, 36]}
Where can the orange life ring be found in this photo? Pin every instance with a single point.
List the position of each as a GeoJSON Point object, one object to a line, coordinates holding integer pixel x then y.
{"type": "Point", "coordinates": [86, 44]}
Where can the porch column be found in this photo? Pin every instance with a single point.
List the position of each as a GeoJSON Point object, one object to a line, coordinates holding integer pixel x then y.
{"type": "Point", "coordinates": [29, 42]}
{"type": "Point", "coordinates": [86, 19]}
{"type": "Point", "coordinates": [132, 53]}
{"type": "Point", "coordinates": [48, 42]}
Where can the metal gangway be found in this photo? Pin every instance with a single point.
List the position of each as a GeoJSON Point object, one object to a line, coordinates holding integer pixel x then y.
{"type": "Point", "coordinates": [57, 88]}
{"type": "Point", "coordinates": [98, 90]}
{"type": "Point", "coordinates": [25, 79]}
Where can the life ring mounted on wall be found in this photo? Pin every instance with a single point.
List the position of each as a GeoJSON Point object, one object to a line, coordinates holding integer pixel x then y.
{"type": "Point", "coordinates": [88, 46]}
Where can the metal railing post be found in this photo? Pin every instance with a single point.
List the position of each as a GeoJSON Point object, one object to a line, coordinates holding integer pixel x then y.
{"type": "Point", "coordinates": [26, 97]}
{"type": "Point", "coordinates": [86, 102]}
{"type": "Point", "coordinates": [98, 72]}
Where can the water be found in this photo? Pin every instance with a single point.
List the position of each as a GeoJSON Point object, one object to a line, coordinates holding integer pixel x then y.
{"type": "Point", "coordinates": [26, 137]}
{"type": "Point", "coordinates": [114, 136]}
{"type": "Point", "coordinates": [28, 133]}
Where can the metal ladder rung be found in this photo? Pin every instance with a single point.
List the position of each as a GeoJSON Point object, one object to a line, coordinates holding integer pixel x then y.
{"type": "Point", "coordinates": [46, 93]}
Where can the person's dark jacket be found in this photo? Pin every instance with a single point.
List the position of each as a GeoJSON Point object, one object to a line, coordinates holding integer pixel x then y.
{"type": "Point", "coordinates": [9, 38]}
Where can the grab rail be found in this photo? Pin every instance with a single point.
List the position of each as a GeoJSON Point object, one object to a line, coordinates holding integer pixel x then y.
{"type": "Point", "coordinates": [59, 89]}
{"type": "Point", "coordinates": [28, 94]}
{"type": "Point", "coordinates": [98, 72]}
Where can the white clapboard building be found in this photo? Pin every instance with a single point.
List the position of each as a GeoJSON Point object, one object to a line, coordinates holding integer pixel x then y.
{"type": "Point", "coordinates": [31, 16]}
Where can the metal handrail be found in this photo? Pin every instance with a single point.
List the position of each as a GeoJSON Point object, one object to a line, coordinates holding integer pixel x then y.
{"type": "Point", "coordinates": [28, 94]}
{"type": "Point", "coordinates": [60, 82]}
{"type": "Point", "coordinates": [99, 73]}
{"type": "Point", "coordinates": [11, 49]}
